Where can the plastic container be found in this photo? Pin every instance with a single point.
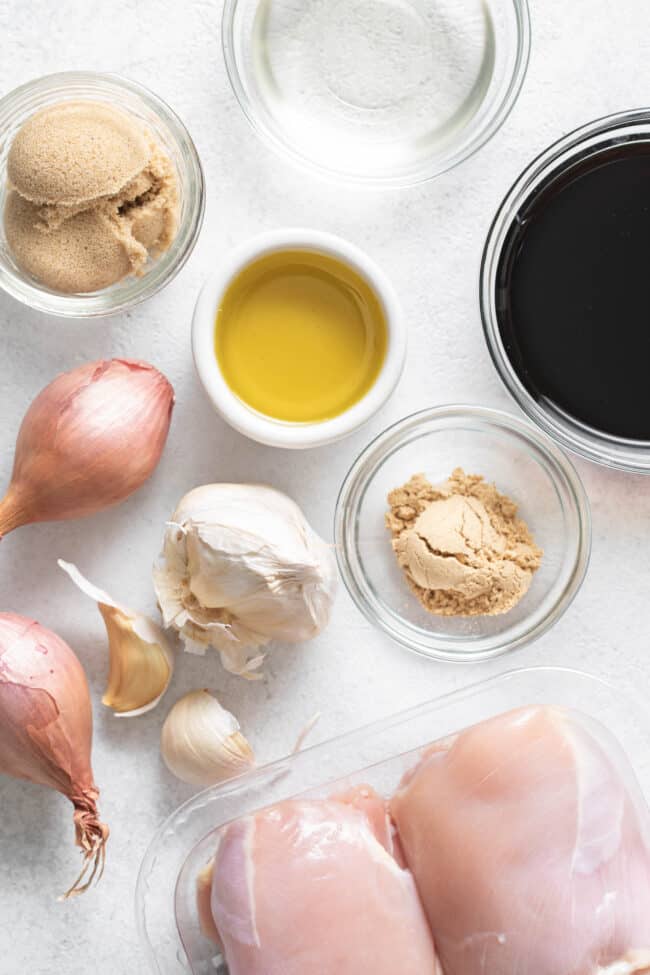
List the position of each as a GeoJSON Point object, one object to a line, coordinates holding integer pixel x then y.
{"type": "Point", "coordinates": [19, 105]}
{"type": "Point", "coordinates": [377, 755]}
{"type": "Point", "coordinates": [524, 465]}
{"type": "Point", "coordinates": [377, 92]}
{"type": "Point", "coordinates": [570, 152]}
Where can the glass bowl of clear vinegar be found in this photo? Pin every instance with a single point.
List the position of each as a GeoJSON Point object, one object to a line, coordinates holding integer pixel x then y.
{"type": "Point", "coordinates": [377, 92]}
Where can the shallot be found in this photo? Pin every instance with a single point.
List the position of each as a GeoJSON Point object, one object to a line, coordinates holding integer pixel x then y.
{"type": "Point", "coordinates": [46, 728]}
{"type": "Point", "coordinates": [90, 439]}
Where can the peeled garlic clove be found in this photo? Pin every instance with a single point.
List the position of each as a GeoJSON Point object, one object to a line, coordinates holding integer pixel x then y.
{"type": "Point", "coordinates": [201, 742]}
{"type": "Point", "coordinates": [141, 659]}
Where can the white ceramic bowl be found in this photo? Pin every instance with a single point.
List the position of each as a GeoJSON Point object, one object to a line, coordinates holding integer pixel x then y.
{"type": "Point", "coordinates": [257, 426]}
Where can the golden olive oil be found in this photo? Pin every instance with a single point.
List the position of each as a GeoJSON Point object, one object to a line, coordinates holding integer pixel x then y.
{"type": "Point", "coordinates": [300, 336]}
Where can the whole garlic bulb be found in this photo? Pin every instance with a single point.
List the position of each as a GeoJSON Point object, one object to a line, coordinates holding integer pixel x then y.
{"type": "Point", "coordinates": [240, 567]}
{"type": "Point", "coordinates": [201, 742]}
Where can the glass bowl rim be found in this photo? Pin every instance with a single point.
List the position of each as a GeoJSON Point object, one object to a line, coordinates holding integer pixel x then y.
{"type": "Point", "coordinates": [560, 469]}
{"type": "Point", "coordinates": [596, 446]}
{"type": "Point", "coordinates": [271, 137]}
{"type": "Point", "coordinates": [99, 305]}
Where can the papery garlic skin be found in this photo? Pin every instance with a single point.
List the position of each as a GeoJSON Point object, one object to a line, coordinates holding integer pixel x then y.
{"type": "Point", "coordinates": [141, 658]}
{"type": "Point", "coordinates": [91, 438]}
{"type": "Point", "coordinates": [201, 743]}
{"type": "Point", "coordinates": [240, 567]}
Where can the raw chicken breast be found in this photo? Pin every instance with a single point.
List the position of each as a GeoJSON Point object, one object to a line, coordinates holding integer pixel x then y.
{"type": "Point", "coordinates": [308, 887]}
{"type": "Point", "coordinates": [530, 846]}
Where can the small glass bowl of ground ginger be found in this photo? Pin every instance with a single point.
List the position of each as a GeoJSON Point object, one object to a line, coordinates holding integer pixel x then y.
{"type": "Point", "coordinates": [462, 533]}
{"type": "Point", "coordinates": [101, 194]}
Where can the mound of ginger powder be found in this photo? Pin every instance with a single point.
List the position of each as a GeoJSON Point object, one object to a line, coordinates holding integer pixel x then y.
{"type": "Point", "coordinates": [462, 548]}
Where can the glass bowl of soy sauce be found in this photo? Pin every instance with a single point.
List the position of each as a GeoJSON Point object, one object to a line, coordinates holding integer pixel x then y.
{"type": "Point", "coordinates": [565, 291]}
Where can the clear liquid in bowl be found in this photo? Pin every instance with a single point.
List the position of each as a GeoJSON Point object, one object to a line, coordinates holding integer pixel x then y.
{"type": "Point", "coordinates": [379, 83]}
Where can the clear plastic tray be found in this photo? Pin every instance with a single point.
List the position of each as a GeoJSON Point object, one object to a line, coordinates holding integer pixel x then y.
{"type": "Point", "coordinates": [377, 755]}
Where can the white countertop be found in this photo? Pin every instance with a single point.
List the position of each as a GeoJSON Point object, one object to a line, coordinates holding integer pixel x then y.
{"type": "Point", "coordinates": [590, 57]}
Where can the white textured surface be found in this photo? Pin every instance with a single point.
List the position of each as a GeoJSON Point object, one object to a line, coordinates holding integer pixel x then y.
{"type": "Point", "coordinates": [590, 57]}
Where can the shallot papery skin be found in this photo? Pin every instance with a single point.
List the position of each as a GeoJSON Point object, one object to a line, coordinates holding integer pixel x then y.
{"type": "Point", "coordinates": [311, 887]}
{"type": "Point", "coordinates": [89, 440]}
{"type": "Point", "coordinates": [529, 841]}
{"type": "Point", "coordinates": [46, 728]}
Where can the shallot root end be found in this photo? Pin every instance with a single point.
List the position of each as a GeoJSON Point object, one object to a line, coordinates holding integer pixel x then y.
{"type": "Point", "coordinates": [92, 837]}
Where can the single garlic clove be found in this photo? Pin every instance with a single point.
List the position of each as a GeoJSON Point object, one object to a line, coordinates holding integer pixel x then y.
{"type": "Point", "coordinates": [201, 742]}
{"type": "Point", "coordinates": [141, 659]}
{"type": "Point", "coordinates": [140, 669]}
{"type": "Point", "coordinates": [204, 906]}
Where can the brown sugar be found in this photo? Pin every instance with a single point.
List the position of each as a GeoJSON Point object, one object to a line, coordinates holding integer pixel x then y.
{"type": "Point", "coordinates": [91, 197]}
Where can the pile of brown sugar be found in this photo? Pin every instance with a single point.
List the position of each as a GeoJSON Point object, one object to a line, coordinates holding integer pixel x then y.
{"type": "Point", "coordinates": [461, 545]}
{"type": "Point", "coordinates": [92, 197]}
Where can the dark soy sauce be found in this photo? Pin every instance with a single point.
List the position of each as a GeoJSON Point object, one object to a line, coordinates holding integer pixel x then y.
{"type": "Point", "coordinates": [573, 292]}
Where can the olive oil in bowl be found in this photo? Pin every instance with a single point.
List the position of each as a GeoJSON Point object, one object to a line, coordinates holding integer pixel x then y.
{"type": "Point", "coordinates": [300, 336]}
